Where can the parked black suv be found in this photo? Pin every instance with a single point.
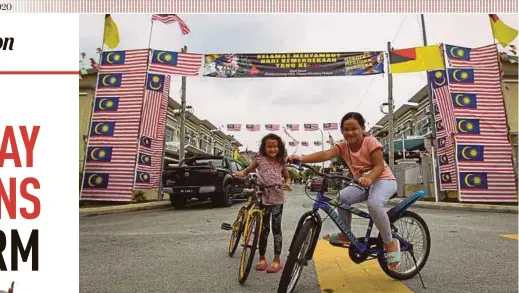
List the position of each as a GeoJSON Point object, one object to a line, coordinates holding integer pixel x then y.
{"type": "Point", "coordinates": [203, 177]}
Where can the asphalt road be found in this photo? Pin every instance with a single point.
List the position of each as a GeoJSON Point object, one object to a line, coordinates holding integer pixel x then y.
{"type": "Point", "coordinates": [185, 251]}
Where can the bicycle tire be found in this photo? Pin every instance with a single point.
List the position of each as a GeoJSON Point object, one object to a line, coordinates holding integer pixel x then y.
{"type": "Point", "coordinates": [236, 234]}
{"type": "Point", "coordinates": [405, 276]}
{"type": "Point", "coordinates": [293, 258]}
{"type": "Point", "coordinates": [254, 227]}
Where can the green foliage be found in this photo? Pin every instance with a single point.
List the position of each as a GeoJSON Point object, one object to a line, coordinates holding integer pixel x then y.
{"type": "Point", "coordinates": [242, 160]}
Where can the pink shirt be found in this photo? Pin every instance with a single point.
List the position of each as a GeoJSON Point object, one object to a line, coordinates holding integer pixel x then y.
{"type": "Point", "coordinates": [270, 172]}
{"type": "Point", "coordinates": [360, 162]}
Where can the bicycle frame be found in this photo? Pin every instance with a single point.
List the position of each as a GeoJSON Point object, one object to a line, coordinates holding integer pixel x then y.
{"type": "Point", "coordinates": [324, 203]}
{"type": "Point", "coordinates": [253, 207]}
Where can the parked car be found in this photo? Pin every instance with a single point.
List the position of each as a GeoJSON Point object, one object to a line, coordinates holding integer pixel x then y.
{"type": "Point", "coordinates": [316, 183]}
{"type": "Point", "coordinates": [203, 177]}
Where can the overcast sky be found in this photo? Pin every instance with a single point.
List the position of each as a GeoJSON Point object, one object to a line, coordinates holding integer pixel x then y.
{"type": "Point", "coordinates": [289, 99]}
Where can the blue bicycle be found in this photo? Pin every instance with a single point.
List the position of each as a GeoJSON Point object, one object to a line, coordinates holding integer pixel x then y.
{"type": "Point", "coordinates": [406, 226]}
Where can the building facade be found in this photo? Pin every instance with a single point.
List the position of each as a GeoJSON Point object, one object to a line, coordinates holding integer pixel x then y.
{"type": "Point", "coordinates": [202, 137]}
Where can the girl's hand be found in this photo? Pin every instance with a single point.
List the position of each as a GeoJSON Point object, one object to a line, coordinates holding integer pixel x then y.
{"type": "Point", "coordinates": [238, 174]}
{"type": "Point", "coordinates": [365, 181]}
{"type": "Point", "coordinates": [293, 158]}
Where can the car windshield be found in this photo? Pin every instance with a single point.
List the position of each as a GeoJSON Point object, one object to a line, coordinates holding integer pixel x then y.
{"type": "Point", "coordinates": [218, 163]}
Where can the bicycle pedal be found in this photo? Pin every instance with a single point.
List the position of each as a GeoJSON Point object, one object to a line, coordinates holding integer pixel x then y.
{"type": "Point", "coordinates": [340, 245]}
{"type": "Point", "coordinates": [226, 226]}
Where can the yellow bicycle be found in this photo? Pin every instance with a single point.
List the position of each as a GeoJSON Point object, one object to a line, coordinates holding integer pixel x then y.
{"type": "Point", "coordinates": [248, 222]}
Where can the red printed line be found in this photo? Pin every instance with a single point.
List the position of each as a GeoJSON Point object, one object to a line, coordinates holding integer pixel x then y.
{"type": "Point", "coordinates": [38, 72]}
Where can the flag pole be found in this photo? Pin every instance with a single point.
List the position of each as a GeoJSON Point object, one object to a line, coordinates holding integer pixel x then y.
{"type": "Point", "coordinates": [181, 152]}
{"type": "Point", "coordinates": [144, 96]}
{"type": "Point", "coordinates": [85, 150]}
{"type": "Point", "coordinates": [390, 113]}
{"type": "Point", "coordinates": [151, 32]}
{"type": "Point", "coordinates": [436, 169]}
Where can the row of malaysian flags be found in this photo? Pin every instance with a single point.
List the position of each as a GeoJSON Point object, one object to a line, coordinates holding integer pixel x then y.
{"type": "Point", "coordinates": [304, 143]}
{"type": "Point", "coordinates": [474, 152]}
{"type": "Point", "coordinates": [276, 127]}
{"type": "Point", "coordinates": [126, 140]}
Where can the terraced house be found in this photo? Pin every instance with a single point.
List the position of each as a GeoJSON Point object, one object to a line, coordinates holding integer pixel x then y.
{"type": "Point", "coordinates": [202, 137]}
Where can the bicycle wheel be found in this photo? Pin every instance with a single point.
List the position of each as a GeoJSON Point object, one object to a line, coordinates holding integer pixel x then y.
{"type": "Point", "coordinates": [237, 230]}
{"type": "Point", "coordinates": [411, 227]}
{"type": "Point", "coordinates": [296, 259]}
{"type": "Point", "coordinates": [252, 234]}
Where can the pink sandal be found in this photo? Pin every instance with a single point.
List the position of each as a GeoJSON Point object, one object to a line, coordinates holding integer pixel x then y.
{"type": "Point", "coordinates": [274, 268]}
{"type": "Point", "coordinates": [262, 265]}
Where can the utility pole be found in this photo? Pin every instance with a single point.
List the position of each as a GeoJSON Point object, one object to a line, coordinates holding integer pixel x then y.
{"type": "Point", "coordinates": [181, 152]}
{"type": "Point", "coordinates": [390, 112]}
{"type": "Point", "coordinates": [436, 168]}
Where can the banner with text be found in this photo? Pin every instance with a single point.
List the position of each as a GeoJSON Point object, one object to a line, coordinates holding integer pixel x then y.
{"type": "Point", "coordinates": [294, 64]}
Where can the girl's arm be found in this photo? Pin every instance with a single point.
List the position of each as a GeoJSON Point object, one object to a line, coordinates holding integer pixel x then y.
{"type": "Point", "coordinates": [377, 159]}
{"type": "Point", "coordinates": [286, 176]}
{"type": "Point", "coordinates": [321, 156]}
{"type": "Point", "coordinates": [247, 170]}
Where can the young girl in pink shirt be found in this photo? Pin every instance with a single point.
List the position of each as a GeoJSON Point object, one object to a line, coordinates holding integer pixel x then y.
{"type": "Point", "coordinates": [364, 157]}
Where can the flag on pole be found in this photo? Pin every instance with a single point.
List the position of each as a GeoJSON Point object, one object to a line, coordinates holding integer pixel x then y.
{"type": "Point", "coordinates": [330, 126]}
{"type": "Point", "coordinates": [311, 127]}
{"type": "Point", "coordinates": [416, 59]}
{"type": "Point", "coordinates": [293, 127]}
{"type": "Point", "coordinates": [171, 18]}
{"type": "Point", "coordinates": [179, 63]}
{"type": "Point", "coordinates": [252, 127]}
{"type": "Point", "coordinates": [233, 127]}
{"type": "Point", "coordinates": [111, 32]}
{"type": "Point", "coordinates": [502, 32]}
{"type": "Point", "coordinates": [272, 127]}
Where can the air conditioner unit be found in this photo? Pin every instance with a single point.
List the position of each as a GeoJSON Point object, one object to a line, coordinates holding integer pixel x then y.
{"type": "Point", "coordinates": [428, 110]}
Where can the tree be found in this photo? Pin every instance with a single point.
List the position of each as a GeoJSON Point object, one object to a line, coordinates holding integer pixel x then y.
{"type": "Point", "coordinates": [242, 160]}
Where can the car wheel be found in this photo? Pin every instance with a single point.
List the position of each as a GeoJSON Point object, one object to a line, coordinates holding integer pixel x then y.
{"type": "Point", "coordinates": [228, 196]}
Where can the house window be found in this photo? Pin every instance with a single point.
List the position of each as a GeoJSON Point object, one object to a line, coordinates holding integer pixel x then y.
{"type": "Point", "coordinates": [169, 134]}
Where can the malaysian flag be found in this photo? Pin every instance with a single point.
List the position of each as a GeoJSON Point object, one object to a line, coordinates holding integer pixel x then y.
{"type": "Point", "coordinates": [224, 59]}
{"type": "Point", "coordinates": [155, 88]}
{"type": "Point", "coordinates": [177, 63]}
{"type": "Point", "coordinates": [311, 127]}
{"type": "Point", "coordinates": [331, 126]}
{"type": "Point", "coordinates": [293, 127]}
{"type": "Point", "coordinates": [483, 57]}
{"type": "Point", "coordinates": [151, 143]}
{"type": "Point", "coordinates": [272, 127]}
{"type": "Point", "coordinates": [112, 144]}
{"type": "Point", "coordinates": [252, 127]}
{"type": "Point", "coordinates": [171, 18]}
{"type": "Point", "coordinates": [440, 90]}
{"type": "Point", "coordinates": [484, 154]}
{"type": "Point", "coordinates": [304, 143]}
{"type": "Point", "coordinates": [233, 127]}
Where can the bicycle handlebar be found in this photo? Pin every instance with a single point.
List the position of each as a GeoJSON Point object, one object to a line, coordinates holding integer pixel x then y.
{"type": "Point", "coordinates": [298, 164]}
{"type": "Point", "coordinates": [266, 186]}
{"type": "Point", "coordinates": [261, 185]}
